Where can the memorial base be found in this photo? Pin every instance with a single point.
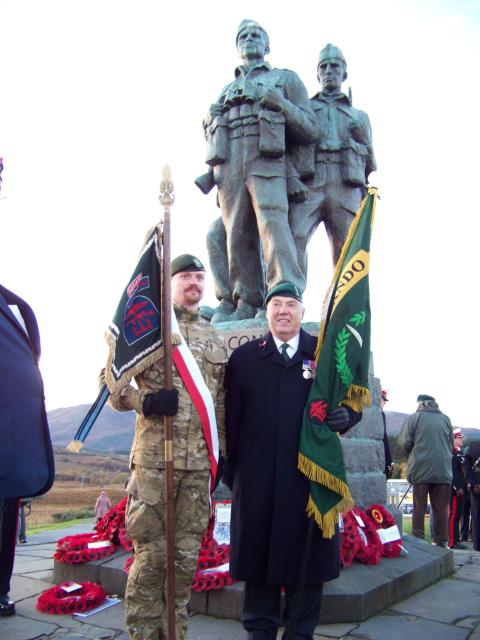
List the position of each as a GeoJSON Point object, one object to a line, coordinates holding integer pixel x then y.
{"type": "Point", "coordinates": [360, 592]}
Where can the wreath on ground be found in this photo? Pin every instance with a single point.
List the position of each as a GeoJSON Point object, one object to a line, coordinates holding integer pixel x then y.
{"type": "Point", "coordinates": [383, 519]}
{"type": "Point", "coordinates": [212, 556]}
{"type": "Point", "coordinates": [75, 549]}
{"type": "Point", "coordinates": [112, 526]}
{"type": "Point", "coordinates": [57, 601]}
{"type": "Point", "coordinates": [360, 543]}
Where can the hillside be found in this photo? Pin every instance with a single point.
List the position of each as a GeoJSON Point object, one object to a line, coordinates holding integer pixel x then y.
{"type": "Point", "coordinates": [112, 432]}
{"type": "Point", "coordinates": [395, 422]}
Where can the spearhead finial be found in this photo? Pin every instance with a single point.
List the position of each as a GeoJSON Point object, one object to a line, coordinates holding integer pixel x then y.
{"type": "Point", "coordinates": [166, 187]}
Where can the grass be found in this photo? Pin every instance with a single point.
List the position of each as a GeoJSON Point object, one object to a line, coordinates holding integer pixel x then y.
{"type": "Point", "coordinates": [57, 525]}
{"type": "Point", "coordinates": [407, 527]}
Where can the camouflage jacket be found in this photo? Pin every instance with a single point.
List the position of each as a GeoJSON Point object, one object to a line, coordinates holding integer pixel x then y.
{"type": "Point", "coordinates": [189, 447]}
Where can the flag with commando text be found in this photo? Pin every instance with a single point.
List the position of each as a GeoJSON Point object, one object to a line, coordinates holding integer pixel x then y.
{"type": "Point", "coordinates": [342, 362]}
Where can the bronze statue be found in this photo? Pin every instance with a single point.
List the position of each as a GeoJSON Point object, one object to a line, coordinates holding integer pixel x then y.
{"type": "Point", "coordinates": [343, 161]}
{"type": "Point", "coordinates": [259, 117]}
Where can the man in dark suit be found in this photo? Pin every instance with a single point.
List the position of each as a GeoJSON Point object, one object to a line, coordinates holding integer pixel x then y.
{"type": "Point", "coordinates": [26, 455]}
{"type": "Point", "coordinates": [267, 384]}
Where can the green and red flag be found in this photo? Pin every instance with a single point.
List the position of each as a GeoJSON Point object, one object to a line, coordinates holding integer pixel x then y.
{"type": "Point", "coordinates": [342, 362]}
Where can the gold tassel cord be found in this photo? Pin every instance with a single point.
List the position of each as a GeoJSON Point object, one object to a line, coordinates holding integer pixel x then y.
{"type": "Point", "coordinates": [75, 446]}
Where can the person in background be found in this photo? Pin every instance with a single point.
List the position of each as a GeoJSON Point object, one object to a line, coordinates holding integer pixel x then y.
{"type": "Point", "coordinates": [427, 437]}
{"type": "Point", "coordinates": [388, 471]}
{"type": "Point", "coordinates": [102, 505]}
{"type": "Point", "coordinates": [471, 469]}
{"type": "Point", "coordinates": [458, 490]}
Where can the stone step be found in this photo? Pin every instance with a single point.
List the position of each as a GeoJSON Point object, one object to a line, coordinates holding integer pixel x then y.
{"type": "Point", "coordinates": [360, 592]}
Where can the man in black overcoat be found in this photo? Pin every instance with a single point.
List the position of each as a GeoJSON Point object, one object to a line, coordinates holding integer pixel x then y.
{"type": "Point", "coordinates": [266, 392]}
{"type": "Point", "coordinates": [26, 455]}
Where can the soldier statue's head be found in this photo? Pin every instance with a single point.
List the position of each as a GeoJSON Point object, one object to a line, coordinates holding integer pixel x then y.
{"type": "Point", "coordinates": [331, 69]}
{"type": "Point", "coordinates": [252, 40]}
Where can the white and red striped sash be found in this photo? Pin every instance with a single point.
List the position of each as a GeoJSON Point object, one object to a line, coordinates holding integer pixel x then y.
{"type": "Point", "coordinates": [192, 378]}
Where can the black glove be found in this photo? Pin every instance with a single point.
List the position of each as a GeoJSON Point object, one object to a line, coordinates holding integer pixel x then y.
{"type": "Point", "coordinates": [162, 403]}
{"type": "Point", "coordinates": [342, 419]}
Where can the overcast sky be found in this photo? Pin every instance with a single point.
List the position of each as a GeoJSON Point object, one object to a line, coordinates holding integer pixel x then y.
{"type": "Point", "coordinates": [97, 95]}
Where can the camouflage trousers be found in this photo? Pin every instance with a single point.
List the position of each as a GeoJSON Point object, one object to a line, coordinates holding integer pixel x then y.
{"type": "Point", "coordinates": [145, 610]}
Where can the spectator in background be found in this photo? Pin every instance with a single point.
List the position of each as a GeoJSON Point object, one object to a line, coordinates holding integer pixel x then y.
{"type": "Point", "coordinates": [427, 437]}
{"type": "Point", "coordinates": [457, 493]}
{"type": "Point", "coordinates": [386, 445]}
{"type": "Point", "coordinates": [471, 469]}
{"type": "Point", "coordinates": [102, 505]}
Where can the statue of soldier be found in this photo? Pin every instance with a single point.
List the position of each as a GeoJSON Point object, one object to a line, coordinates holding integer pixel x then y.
{"type": "Point", "coordinates": [255, 121]}
{"type": "Point", "coordinates": [343, 161]}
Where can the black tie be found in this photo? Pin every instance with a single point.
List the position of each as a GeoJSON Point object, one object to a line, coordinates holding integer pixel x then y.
{"type": "Point", "coordinates": [285, 355]}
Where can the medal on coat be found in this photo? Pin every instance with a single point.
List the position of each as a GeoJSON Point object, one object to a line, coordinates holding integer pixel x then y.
{"type": "Point", "coordinates": [308, 368]}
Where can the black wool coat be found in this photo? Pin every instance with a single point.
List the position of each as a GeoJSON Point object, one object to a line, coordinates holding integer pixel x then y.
{"type": "Point", "coordinates": [265, 399]}
{"type": "Point", "coordinates": [26, 456]}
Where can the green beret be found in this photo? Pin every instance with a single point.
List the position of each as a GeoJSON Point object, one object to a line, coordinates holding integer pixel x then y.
{"type": "Point", "coordinates": [424, 398]}
{"type": "Point", "coordinates": [331, 52]}
{"type": "Point", "coordinates": [186, 262]}
{"type": "Point", "coordinates": [285, 289]}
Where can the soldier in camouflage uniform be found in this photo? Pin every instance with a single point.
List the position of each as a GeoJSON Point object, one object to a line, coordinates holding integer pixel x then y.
{"type": "Point", "coordinates": [145, 516]}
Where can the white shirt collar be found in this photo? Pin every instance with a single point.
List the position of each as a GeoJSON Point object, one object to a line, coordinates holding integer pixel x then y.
{"type": "Point", "coordinates": [16, 312]}
{"type": "Point", "coordinates": [293, 344]}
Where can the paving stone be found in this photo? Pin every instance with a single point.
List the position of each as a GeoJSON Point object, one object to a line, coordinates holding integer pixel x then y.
{"type": "Point", "coordinates": [19, 628]}
{"type": "Point", "coordinates": [207, 628]}
{"type": "Point", "coordinates": [468, 622]}
{"type": "Point", "coordinates": [469, 571]}
{"type": "Point", "coordinates": [24, 565]}
{"type": "Point", "coordinates": [46, 576]}
{"type": "Point", "coordinates": [402, 627]}
{"type": "Point", "coordinates": [446, 601]}
{"type": "Point", "coordinates": [334, 630]}
{"type": "Point", "coordinates": [22, 587]}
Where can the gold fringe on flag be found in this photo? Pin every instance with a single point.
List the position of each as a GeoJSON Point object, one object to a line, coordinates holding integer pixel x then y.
{"type": "Point", "coordinates": [315, 473]}
{"type": "Point", "coordinates": [357, 398]}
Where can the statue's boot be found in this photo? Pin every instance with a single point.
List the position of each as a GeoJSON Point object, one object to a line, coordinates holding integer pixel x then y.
{"type": "Point", "coordinates": [261, 313]}
{"type": "Point", "coordinates": [244, 311]}
{"type": "Point", "coordinates": [223, 313]}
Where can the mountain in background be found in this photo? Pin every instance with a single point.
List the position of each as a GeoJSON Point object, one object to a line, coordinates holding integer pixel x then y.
{"type": "Point", "coordinates": [113, 431]}
{"type": "Point", "coordinates": [395, 422]}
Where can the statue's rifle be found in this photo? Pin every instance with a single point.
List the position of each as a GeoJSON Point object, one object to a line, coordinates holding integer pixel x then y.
{"type": "Point", "coordinates": [167, 198]}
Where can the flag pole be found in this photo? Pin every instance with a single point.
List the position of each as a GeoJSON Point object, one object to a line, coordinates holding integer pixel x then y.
{"type": "Point", "coordinates": [167, 198]}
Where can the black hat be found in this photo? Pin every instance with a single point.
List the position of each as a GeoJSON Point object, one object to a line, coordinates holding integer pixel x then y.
{"type": "Point", "coordinates": [186, 262]}
{"type": "Point", "coordinates": [285, 289]}
{"type": "Point", "coordinates": [425, 398]}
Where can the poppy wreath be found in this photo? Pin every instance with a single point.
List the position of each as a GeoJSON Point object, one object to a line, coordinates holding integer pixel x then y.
{"type": "Point", "coordinates": [383, 519]}
{"type": "Point", "coordinates": [211, 555]}
{"type": "Point", "coordinates": [349, 539]}
{"type": "Point", "coordinates": [128, 564]}
{"type": "Point", "coordinates": [74, 549]}
{"type": "Point", "coordinates": [370, 548]}
{"type": "Point", "coordinates": [56, 601]}
{"type": "Point", "coordinates": [112, 526]}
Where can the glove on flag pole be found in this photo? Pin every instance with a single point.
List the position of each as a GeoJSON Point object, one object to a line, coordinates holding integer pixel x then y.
{"type": "Point", "coordinates": [342, 360]}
